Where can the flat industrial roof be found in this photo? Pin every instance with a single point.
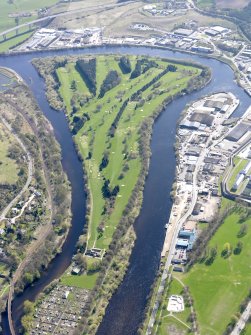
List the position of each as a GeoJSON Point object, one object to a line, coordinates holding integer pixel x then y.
{"type": "Point", "coordinates": [202, 118]}
{"type": "Point", "coordinates": [238, 131]}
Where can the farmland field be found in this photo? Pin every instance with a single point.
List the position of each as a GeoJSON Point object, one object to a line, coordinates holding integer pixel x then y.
{"type": "Point", "coordinates": [8, 8]}
{"type": "Point", "coordinates": [19, 6]}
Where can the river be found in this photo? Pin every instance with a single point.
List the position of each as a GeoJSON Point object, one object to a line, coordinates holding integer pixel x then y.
{"type": "Point", "coordinates": [125, 310]}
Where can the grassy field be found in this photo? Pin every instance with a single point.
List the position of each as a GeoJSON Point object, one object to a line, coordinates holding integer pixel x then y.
{"type": "Point", "coordinates": [219, 288]}
{"type": "Point", "coordinates": [205, 4]}
{"type": "Point", "coordinates": [82, 281]}
{"type": "Point", "coordinates": [8, 167]}
{"type": "Point", "coordinates": [247, 330]}
{"type": "Point", "coordinates": [122, 149]}
{"type": "Point", "coordinates": [19, 6]}
{"type": "Point", "coordinates": [176, 323]}
{"type": "Point", "coordinates": [13, 40]}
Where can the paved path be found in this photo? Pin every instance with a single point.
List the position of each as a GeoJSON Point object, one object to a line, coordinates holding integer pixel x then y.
{"type": "Point", "coordinates": [13, 220]}
{"type": "Point", "coordinates": [240, 325]}
{"type": "Point", "coordinates": [30, 172]}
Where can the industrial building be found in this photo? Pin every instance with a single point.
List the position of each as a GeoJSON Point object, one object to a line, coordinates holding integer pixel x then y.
{"type": "Point", "coordinates": [202, 118]}
{"type": "Point", "coordinates": [238, 181]}
{"type": "Point", "coordinates": [197, 209]}
{"type": "Point", "coordinates": [217, 104]}
{"type": "Point", "coordinates": [189, 125]}
{"type": "Point", "coordinates": [240, 130]}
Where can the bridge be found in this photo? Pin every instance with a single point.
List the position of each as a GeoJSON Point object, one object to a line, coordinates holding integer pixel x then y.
{"type": "Point", "coordinates": [65, 13]}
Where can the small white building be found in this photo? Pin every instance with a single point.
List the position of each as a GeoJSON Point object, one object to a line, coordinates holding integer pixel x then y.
{"type": "Point", "coordinates": [176, 304]}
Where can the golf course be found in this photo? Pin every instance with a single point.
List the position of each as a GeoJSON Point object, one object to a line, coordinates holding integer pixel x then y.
{"type": "Point", "coordinates": [109, 102]}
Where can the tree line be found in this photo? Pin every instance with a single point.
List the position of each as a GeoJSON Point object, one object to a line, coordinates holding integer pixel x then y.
{"type": "Point", "coordinates": [111, 80]}
{"type": "Point", "coordinates": [87, 70]}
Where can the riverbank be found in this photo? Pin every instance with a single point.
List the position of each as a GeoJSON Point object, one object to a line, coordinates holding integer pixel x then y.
{"type": "Point", "coordinates": [130, 45]}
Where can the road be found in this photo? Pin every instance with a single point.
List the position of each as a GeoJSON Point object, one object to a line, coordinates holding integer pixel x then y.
{"type": "Point", "coordinates": [76, 11]}
{"type": "Point", "coordinates": [13, 220]}
{"type": "Point", "coordinates": [240, 325]}
{"type": "Point", "coordinates": [30, 172]}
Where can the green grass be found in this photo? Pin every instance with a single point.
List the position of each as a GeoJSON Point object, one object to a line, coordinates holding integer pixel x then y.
{"type": "Point", "coordinates": [82, 281]}
{"type": "Point", "coordinates": [205, 4]}
{"type": "Point", "coordinates": [3, 269]}
{"type": "Point", "coordinates": [170, 326]}
{"type": "Point", "coordinates": [126, 136]}
{"type": "Point", "coordinates": [247, 330]}
{"type": "Point", "coordinates": [3, 289]}
{"type": "Point", "coordinates": [167, 321]}
{"type": "Point", "coordinates": [14, 40]}
{"type": "Point", "coordinates": [8, 167]}
{"type": "Point", "coordinates": [226, 203]}
{"type": "Point", "coordinates": [219, 289]}
{"type": "Point", "coordinates": [19, 6]}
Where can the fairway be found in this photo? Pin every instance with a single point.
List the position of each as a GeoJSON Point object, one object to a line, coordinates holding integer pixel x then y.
{"type": "Point", "coordinates": [219, 288]}
{"type": "Point", "coordinates": [119, 152]}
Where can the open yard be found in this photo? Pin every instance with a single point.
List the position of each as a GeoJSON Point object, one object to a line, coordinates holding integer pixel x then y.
{"type": "Point", "coordinates": [82, 281]}
{"type": "Point", "coordinates": [115, 159]}
{"type": "Point", "coordinates": [174, 323]}
{"type": "Point", "coordinates": [219, 288]}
